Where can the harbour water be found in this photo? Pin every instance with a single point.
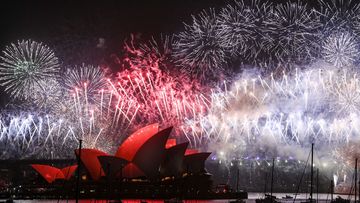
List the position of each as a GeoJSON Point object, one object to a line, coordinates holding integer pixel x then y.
{"type": "Point", "coordinates": [323, 198]}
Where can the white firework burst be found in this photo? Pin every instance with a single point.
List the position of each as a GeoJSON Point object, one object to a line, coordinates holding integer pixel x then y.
{"type": "Point", "coordinates": [86, 82]}
{"type": "Point", "coordinates": [341, 49]}
{"type": "Point", "coordinates": [340, 15]}
{"type": "Point", "coordinates": [25, 67]}
{"type": "Point", "coordinates": [88, 105]}
{"type": "Point", "coordinates": [48, 97]}
{"type": "Point", "coordinates": [293, 30]}
{"type": "Point", "coordinates": [198, 48]}
{"type": "Point", "coordinates": [241, 27]}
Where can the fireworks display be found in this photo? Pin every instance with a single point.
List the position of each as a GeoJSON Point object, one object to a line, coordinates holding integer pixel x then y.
{"type": "Point", "coordinates": [267, 116]}
{"type": "Point", "coordinates": [251, 80]}
{"type": "Point", "coordinates": [33, 136]}
{"type": "Point", "coordinates": [25, 66]}
{"type": "Point", "coordinates": [155, 95]}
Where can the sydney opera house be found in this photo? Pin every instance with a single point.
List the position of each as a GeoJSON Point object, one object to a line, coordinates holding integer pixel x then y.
{"type": "Point", "coordinates": [147, 154]}
{"type": "Point", "coordinates": [147, 164]}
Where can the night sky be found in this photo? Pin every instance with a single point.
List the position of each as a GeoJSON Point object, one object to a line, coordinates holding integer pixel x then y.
{"type": "Point", "coordinates": [51, 21]}
{"type": "Point", "coordinates": [83, 22]}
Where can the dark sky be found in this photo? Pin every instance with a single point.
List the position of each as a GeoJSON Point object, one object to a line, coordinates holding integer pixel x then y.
{"type": "Point", "coordinates": [46, 20]}
{"type": "Point", "coordinates": [73, 27]}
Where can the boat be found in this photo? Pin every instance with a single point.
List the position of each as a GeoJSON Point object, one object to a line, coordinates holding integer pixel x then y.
{"type": "Point", "coordinates": [288, 197]}
{"type": "Point", "coordinates": [237, 201]}
{"type": "Point", "coordinates": [10, 200]}
{"type": "Point", "coordinates": [309, 201]}
{"type": "Point", "coordinates": [339, 199]}
{"type": "Point", "coordinates": [173, 200]}
{"type": "Point", "coordinates": [268, 199]}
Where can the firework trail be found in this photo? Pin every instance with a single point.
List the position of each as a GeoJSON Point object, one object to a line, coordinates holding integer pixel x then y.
{"type": "Point", "coordinates": [25, 67]}
{"type": "Point", "coordinates": [348, 152]}
{"type": "Point", "coordinates": [32, 136]}
{"type": "Point", "coordinates": [158, 49]}
{"type": "Point", "coordinates": [198, 48]}
{"type": "Point", "coordinates": [92, 106]}
{"type": "Point", "coordinates": [280, 116]}
{"type": "Point", "coordinates": [155, 95]}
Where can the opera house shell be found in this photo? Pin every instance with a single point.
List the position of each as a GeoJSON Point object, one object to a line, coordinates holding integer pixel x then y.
{"type": "Point", "coordinates": [147, 154]}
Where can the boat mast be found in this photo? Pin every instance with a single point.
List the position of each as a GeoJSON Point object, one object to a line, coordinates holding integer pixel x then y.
{"type": "Point", "coordinates": [237, 179]}
{"type": "Point", "coordinates": [332, 190]}
{"type": "Point", "coordinates": [265, 185]}
{"type": "Point", "coordinates": [312, 172]}
{"type": "Point", "coordinates": [78, 173]}
{"type": "Point", "coordinates": [317, 185]}
{"type": "Point", "coordinates": [272, 180]}
{"type": "Point", "coordinates": [355, 190]}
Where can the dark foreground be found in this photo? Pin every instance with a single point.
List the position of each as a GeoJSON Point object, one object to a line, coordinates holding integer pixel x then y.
{"type": "Point", "coordinates": [323, 198]}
